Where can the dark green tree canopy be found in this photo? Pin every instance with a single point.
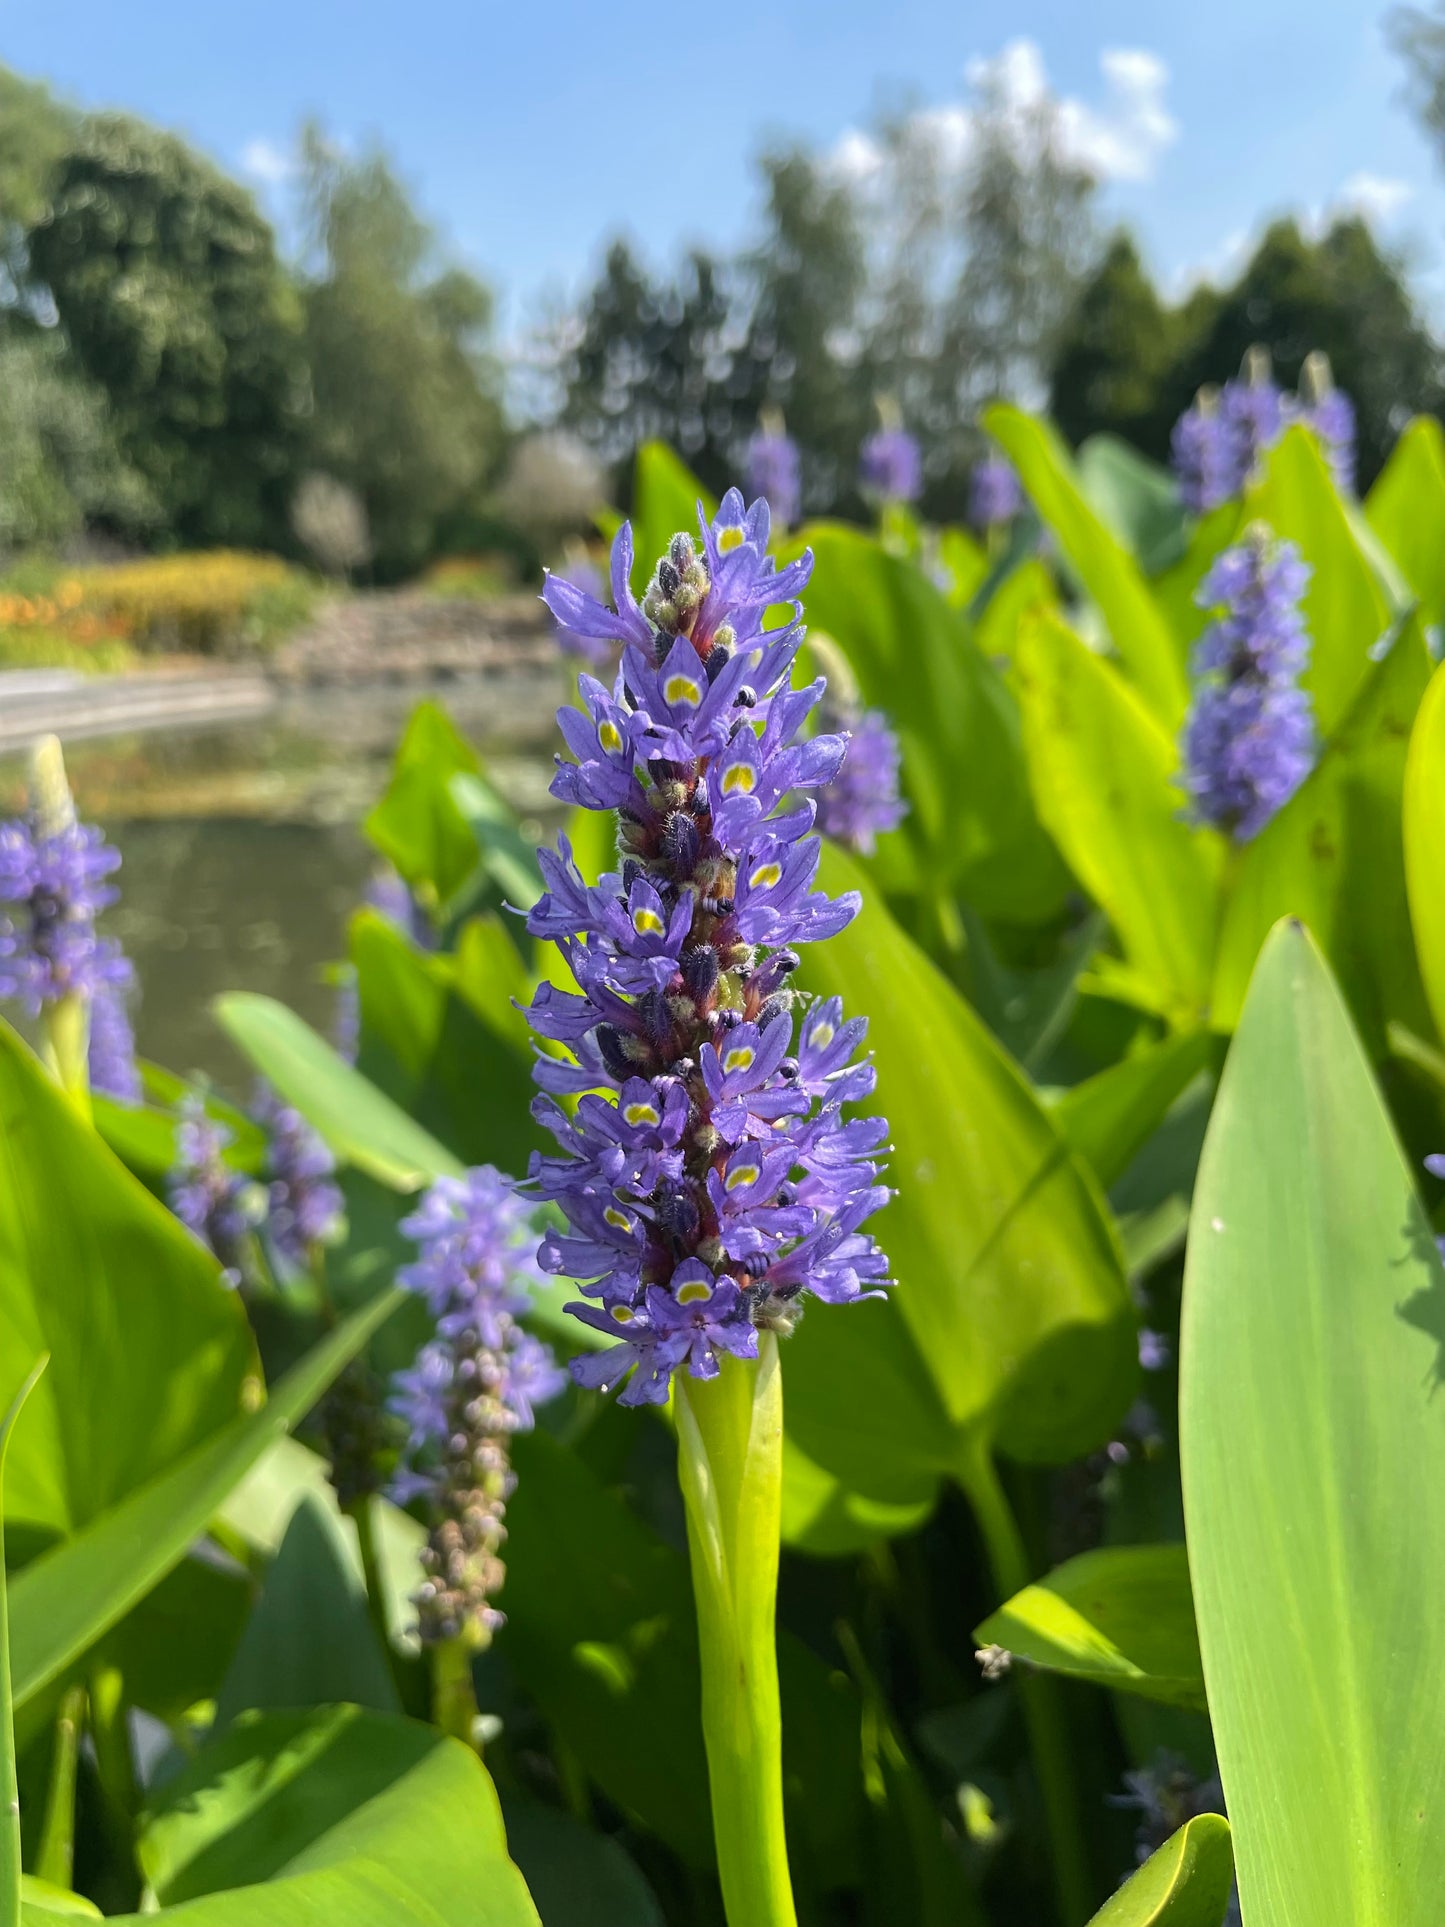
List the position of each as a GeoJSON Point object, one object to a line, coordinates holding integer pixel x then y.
{"type": "Point", "coordinates": [166, 282]}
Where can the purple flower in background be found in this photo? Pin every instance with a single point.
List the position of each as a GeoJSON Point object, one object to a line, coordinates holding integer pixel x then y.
{"type": "Point", "coordinates": [994, 495]}
{"type": "Point", "coordinates": [1201, 449]}
{"type": "Point", "coordinates": [1249, 738]}
{"type": "Point", "coordinates": [775, 472]}
{"type": "Point", "coordinates": [708, 1175]}
{"type": "Point", "coordinates": [219, 1204]}
{"type": "Point", "coordinates": [890, 466]}
{"type": "Point", "coordinates": [1332, 417]}
{"type": "Point", "coordinates": [862, 800]}
{"type": "Point", "coordinates": [304, 1204]}
{"type": "Point", "coordinates": [51, 889]}
{"type": "Point", "coordinates": [113, 1069]}
{"type": "Point", "coordinates": [391, 897]}
{"type": "Point", "coordinates": [1253, 411]}
{"type": "Point", "coordinates": [474, 1384]}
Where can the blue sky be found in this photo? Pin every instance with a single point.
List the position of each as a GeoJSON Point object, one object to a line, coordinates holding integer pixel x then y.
{"type": "Point", "coordinates": [533, 131]}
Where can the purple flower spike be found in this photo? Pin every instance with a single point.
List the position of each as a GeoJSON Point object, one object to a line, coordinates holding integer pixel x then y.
{"type": "Point", "coordinates": [1249, 739]}
{"type": "Point", "coordinates": [775, 472]}
{"type": "Point", "coordinates": [113, 1069]}
{"type": "Point", "coordinates": [708, 1177]}
{"type": "Point", "coordinates": [305, 1206]}
{"type": "Point", "coordinates": [862, 801]}
{"type": "Point", "coordinates": [1332, 418]}
{"type": "Point", "coordinates": [890, 466]}
{"type": "Point", "coordinates": [472, 1386]}
{"type": "Point", "coordinates": [52, 887]}
{"type": "Point", "coordinates": [1202, 451]}
{"type": "Point", "coordinates": [221, 1206]}
{"type": "Point", "coordinates": [994, 495]}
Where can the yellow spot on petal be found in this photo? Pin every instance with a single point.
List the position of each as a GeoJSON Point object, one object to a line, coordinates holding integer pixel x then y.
{"type": "Point", "coordinates": [765, 876]}
{"type": "Point", "coordinates": [740, 1174]}
{"type": "Point", "coordinates": [739, 777]}
{"type": "Point", "coordinates": [694, 1292]}
{"type": "Point", "coordinates": [617, 1218]}
{"type": "Point", "coordinates": [647, 923]}
{"type": "Point", "coordinates": [739, 1059]}
{"type": "Point", "coordinates": [610, 737]}
{"type": "Point", "coordinates": [622, 1314]}
{"type": "Point", "coordinates": [641, 1114]}
{"type": "Point", "coordinates": [682, 689]}
{"type": "Point", "coordinates": [729, 539]}
{"type": "Point", "coordinates": [821, 1036]}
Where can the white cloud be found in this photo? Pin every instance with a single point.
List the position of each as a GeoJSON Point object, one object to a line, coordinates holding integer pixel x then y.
{"type": "Point", "coordinates": [1375, 196]}
{"type": "Point", "coordinates": [1119, 139]}
{"type": "Point", "coordinates": [265, 161]}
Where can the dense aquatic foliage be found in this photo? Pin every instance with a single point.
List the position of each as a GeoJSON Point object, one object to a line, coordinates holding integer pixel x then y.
{"type": "Point", "coordinates": [1094, 937]}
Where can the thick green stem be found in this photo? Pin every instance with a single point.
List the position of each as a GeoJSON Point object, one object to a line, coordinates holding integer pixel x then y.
{"type": "Point", "coordinates": [1043, 1714]}
{"type": "Point", "coordinates": [730, 1461]}
{"type": "Point", "coordinates": [110, 1736]}
{"type": "Point", "coordinates": [454, 1694]}
{"type": "Point", "coordinates": [55, 1859]}
{"type": "Point", "coordinates": [67, 1048]}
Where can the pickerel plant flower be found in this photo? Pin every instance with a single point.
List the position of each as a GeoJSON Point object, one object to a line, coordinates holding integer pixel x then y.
{"type": "Point", "coordinates": [52, 887]}
{"type": "Point", "coordinates": [775, 473]}
{"type": "Point", "coordinates": [1201, 449]}
{"type": "Point", "coordinates": [1331, 414]}
{"type": "Point", "coordinates": [474, 1384]}
{"type": "Point", "coordinates": [113, 1069]}
{"type": "Point", "coordinates": [708, 1176]}
{"type": "Point", "coordinates": [582, 572]}
{"type": "Point", "coordinates": [862, 801]}
{"type": "Point", "coordinates": [304, 1204]}
{"type": "Point", "coordinates": [994, 495]}
{"type": "Point", "coordinates": [1249, 738]}
{"type": "Point", "coordinates": [220, 1205]}
{"type": "Point", "coordinates": [890, 466]}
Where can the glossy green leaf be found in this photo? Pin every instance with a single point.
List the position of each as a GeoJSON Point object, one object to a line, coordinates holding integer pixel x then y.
{"type": "Point", "coordinates": [1137, 498]}
{"type": "Point", "coordinates": [1011, 1322]}
{"type": "Point", "coordinates": [150, 1353]}
{"type": "Point", "coordinates": [964, 564]}
{"type": "Point", "coordinates": [440, 1036]}
{"type": "Point", "coordinates": [9, 1792]}
{"type": "Point", "coordinates": [1424, 832]}
{"type": "Point", "coordinates": [1134, 620]}
{"type": "Point", "coordinates": [40, 1902]}
{"type": "Point", "coordinates": [173, 1649]}
{"type": "Point", "coordinates": [418, 826]}
{"type": "Point", "coordinates": [1313, 1458]}
{"type": "Point", "coordinates": [1122, 1616]}
{"type": "Point", "coordinates": [314, 1819]}
{"type": "Point", "coordinates": [360, 1123]}
{"type": "Point", "coordinates": [1332, 857]}
{"type": "Point", "coordinates": [68, 1597]}
{"type": "Point", "coordinates": [1406, 509]}
{"type": "Point", "coordinates": [576, 1877]}
{"type": "Point", "coordinates": [1110, 1116]}
{"type": "Point", "coordinates": [1103, 769]}
{"type": "Point", "coordinates": [971, 817]}
{"type": "Point", "coordinates": [1345, 609]}
{"type": "Point", "coordinates": [310, 1640]}
{"type": "Point", "coordinates": [1186, 1883]}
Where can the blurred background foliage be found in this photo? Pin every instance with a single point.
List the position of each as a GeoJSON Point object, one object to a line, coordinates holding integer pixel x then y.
{"type": "Point", "coordinates": [176, 374]}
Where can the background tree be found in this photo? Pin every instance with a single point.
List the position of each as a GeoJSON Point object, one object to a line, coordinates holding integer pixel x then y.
{"type": "Point", "coordinates": [406, 394]}
{"type": "Point", "coordinates": [1114, 356]}
{"type": "Point", "coordinates": [166, 283]}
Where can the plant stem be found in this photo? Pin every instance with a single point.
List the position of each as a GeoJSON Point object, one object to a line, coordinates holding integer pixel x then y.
{"type": "Point", "coordinates": [55, 1859]}
{"type": "Point", "coordinates": [730, 1462]}
{"type": "Point", "coordinates": [363, 1515]}
{"type": "Point", "coordinates": [110, 1735]}
{"type": "Point", "coordinates": [67, 1048]}
{"type": "Point", "coordinates": [454, 1694]}
{"type": "Point", "coordinates": [1043, 1714]}
{"type": "Point", "coordinates": [9, 1783]}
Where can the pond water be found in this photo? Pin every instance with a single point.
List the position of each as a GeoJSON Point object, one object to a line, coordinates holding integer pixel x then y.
{"type": "Point", "coordinates": [242, 856]}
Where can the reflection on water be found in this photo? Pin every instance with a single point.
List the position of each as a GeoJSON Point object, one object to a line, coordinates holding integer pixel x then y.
{"type": "Point", "coordinates": [242, 859]}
